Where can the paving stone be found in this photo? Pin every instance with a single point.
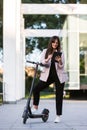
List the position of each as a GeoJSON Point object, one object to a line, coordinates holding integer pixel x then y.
{"type": "Point", "coordinates": [74, 116]}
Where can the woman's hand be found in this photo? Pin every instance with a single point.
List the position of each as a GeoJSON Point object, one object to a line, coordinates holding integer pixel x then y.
{"type": "Point", "coordinates": [49, 57]}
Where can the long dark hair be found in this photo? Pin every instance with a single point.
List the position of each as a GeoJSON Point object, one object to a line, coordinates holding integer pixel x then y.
{"type": "Point", "coordinates": [50, 49]}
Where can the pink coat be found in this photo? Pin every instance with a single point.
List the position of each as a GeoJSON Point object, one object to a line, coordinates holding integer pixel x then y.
{"type": "Point", "coordinates": [59, 69]}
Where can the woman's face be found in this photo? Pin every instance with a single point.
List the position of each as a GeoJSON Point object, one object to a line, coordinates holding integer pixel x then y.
{"type": "Point", "coordinates": [55, 44]}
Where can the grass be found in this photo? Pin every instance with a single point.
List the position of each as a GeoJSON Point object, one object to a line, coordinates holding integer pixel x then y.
{"type": "Point", "coordinates": [49, 95]}
{"type": "Point", "coordinates": [46, 95]}
{"type": "Point", "coordinates": [1, 100]}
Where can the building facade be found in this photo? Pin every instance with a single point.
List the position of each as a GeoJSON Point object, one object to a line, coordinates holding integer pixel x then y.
{"type": "Point", "coordinates": [74, 42]}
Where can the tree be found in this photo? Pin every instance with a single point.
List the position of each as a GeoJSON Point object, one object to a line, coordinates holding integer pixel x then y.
{"type": "Point", "coordinates": [41, 22]}
{"type": "Point", "coordinates": [55, 1]}
{"type": "Point", "coordinates": [1, 23]}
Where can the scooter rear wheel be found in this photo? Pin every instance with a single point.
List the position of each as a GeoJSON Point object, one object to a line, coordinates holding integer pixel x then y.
{"type": "Point", "coordinates": [45, 116]}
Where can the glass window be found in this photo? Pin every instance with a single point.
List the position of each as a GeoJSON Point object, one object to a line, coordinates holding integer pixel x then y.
{"type": "Point", "coordinates": [83, 60]}
{"type": "Point", "coordinates": [1, 46]}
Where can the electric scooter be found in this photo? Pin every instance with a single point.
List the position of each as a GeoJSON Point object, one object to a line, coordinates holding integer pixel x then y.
{"type": "Point", "coordinates": [27, 111]}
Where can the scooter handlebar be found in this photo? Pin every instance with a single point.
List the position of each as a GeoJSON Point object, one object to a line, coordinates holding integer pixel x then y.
{"type": "Point", "coordinates": [37, 63]}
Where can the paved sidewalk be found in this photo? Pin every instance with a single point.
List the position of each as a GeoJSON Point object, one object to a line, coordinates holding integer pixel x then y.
{"type": "Point", "coordinates": [74, 116]}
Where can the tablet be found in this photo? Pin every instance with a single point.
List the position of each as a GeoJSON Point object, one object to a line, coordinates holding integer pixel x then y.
{"type": "Point", "coordinates": [56, 54]}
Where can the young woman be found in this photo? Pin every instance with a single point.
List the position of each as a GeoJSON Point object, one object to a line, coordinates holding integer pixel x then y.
{"type": "Point", "coordinates": [54, 73]}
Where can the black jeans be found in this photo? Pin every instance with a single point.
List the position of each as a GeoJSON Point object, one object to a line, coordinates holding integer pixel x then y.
{"type": "Point", "coordinates": [59, 91]}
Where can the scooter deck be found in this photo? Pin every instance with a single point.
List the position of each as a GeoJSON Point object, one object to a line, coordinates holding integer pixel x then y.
{"type": "Point", "coordinates": [36, 115]}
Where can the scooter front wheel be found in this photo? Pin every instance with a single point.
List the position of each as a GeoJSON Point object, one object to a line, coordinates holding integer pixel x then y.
{"type": "Point", "coordinates": [45, 116]}
{"type": "Point", "coordinates": [25, 116]}
{"type": "Point", "coordinates": [24, 120]}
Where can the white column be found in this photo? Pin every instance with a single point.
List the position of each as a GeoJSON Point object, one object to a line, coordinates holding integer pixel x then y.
{"type": "Point", "coordinates": [13, 61]}
{"type": "Point", "coordinates": [73, 52]}
{"type": "Point", "coordinates": [22, 49]}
